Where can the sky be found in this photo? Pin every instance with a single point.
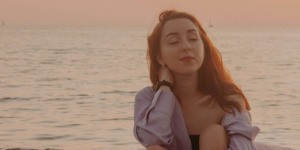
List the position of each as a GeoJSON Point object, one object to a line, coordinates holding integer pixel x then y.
{"type": "Point", "coordinates": [266, 13]}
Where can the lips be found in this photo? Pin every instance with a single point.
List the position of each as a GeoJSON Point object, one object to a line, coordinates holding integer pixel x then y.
{"type": "Point", "coordinates": [186, 58]}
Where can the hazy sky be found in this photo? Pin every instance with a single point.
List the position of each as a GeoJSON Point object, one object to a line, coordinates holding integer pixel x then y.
{"type": "Point", "coordinates": [144, 12]}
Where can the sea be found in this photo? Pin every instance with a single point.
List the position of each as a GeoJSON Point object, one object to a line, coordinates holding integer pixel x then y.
{"type": "Point", "coordinates": [73, 87]}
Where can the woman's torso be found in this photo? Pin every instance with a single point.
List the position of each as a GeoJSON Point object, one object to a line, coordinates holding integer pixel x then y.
{"type": "Point", "coordinates": [201, 113]}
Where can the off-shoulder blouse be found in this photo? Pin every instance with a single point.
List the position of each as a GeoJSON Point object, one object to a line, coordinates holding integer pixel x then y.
{"type": "Point", "coordinates": [158, 120]}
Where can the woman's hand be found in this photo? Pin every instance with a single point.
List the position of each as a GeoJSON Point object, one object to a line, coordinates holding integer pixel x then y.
{"type": "Point", "coordinates": [166, 74]}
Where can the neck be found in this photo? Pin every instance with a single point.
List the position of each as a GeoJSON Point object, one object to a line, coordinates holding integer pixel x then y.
{"type": "Point", "coordinates": [186, 87]}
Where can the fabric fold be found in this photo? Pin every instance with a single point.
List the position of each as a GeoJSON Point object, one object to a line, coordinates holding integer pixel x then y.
{"type": "Point", "coordinates": [240, 131]}
{"type": "Point", "coordinates": [153, 122]}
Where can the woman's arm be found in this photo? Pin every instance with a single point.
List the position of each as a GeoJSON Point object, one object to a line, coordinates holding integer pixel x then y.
{"type": "Point", "coordinates": [240, 131]}
{"type": "Point", "coordinates": [239, 127]}
{"type": "Point", "coordinates": [152, 116]}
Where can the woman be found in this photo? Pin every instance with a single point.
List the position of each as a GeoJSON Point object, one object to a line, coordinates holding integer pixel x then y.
{"type": "Point", "coordinates": [193, 102]}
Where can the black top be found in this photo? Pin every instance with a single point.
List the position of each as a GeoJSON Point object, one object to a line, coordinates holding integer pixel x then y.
{"type": "Point", "coordinates": [195, 141]}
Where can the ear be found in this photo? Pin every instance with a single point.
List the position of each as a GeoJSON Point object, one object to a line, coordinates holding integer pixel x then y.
{"type": "Point", "coordinates": [160, 60]}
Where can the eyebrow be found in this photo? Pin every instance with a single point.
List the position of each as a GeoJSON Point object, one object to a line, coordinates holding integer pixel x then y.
{"type": "Point", "coordinates": [175, 33]}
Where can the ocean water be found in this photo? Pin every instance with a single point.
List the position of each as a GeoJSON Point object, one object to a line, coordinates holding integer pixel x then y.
{"type": "Point", "coordinates": [74, 87]}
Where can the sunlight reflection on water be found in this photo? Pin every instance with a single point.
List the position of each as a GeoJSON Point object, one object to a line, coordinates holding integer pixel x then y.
{"type": "Point", "coordinates": [73, 88]}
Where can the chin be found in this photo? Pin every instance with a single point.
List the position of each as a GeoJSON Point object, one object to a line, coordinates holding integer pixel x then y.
{"type": "Point", "coordinates": [187, 71]}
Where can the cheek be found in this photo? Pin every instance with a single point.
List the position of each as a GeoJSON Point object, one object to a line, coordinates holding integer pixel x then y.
{"type": "Point", "coordinates": [169, 54]}
{"type": "Point", "coordinates": [168, 58]}
{"type": "Point", "coordinates": [200, 53]}
{"type": "Point", "coordinates": [201, 50]}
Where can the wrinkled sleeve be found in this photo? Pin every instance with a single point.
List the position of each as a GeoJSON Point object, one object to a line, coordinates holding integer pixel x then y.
{"type": "Point", "coordinates": [152, 117]}
{"type": "Point", "coordinates": [240, 131]}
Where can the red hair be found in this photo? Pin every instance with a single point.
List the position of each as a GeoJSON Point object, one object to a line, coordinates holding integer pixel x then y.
{"type": "Point", "coordinates": [213, 77]}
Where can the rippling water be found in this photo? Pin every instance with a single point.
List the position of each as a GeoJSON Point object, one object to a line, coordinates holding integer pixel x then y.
{"type": "Point", "coordinates": [73, 88]}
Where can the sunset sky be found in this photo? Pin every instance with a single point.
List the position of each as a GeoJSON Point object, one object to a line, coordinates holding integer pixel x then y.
{"type": "Point", "coordinates": [278, 13]}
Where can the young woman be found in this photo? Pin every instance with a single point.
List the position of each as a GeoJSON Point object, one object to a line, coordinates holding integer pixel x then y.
{"type": "Point", "coordinates": [193, 102]}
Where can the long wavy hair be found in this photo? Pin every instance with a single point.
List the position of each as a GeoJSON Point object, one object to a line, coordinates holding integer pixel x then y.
{"type": "Point", "coordinates": [213, 79]}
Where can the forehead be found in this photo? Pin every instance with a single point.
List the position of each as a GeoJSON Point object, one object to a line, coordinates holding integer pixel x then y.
{"type": "Point", "coordinates": [178, 25]}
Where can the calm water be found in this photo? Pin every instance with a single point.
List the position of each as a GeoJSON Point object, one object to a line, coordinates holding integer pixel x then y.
{"type": "Point", "coordinates": [73, 88]}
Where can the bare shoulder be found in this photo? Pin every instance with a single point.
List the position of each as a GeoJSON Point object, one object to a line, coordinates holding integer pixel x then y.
{"type": "Point", "coordinates": [237, 98]}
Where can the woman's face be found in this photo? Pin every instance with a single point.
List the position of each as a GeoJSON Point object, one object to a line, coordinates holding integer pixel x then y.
{"type": "Point", "coordinates": [182, 49]}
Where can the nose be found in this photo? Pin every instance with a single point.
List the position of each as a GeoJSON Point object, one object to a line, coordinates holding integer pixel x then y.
{"type": "Point", "coordinates": [186, 46]}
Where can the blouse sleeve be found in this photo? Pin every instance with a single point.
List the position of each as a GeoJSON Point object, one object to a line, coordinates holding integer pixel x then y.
{"type": "Point", "coordinates": [240, 131]}
{"type": "Point", "coordinates": [152, 117]}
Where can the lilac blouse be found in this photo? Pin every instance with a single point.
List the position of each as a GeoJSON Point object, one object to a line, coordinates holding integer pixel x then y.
{"type": "Point", "coordinates": [158, 120]}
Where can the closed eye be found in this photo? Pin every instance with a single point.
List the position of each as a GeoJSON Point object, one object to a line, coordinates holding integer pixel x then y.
{"type": "Point", "coordinates": [173, 43]}
{"type": "Point", "coordinates": [193, 39]}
